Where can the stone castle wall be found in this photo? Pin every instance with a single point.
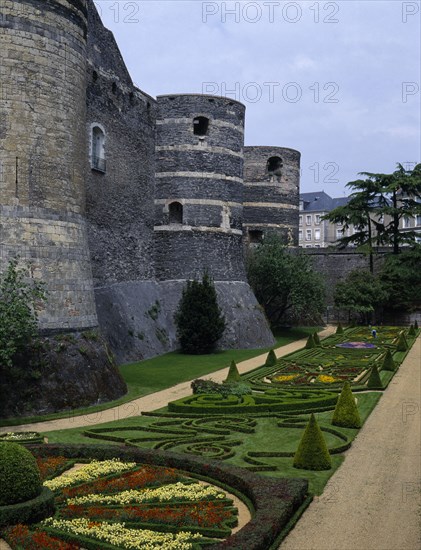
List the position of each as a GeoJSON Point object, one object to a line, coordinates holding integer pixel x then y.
{"type": "Point", "coordinates": [120, 201]}
{"type": "Point", "coordinates": [110, 222]}
{"type": "Point", "coordinates": [43, 153]}
{"type": "Point", "coordinates": [271, 193]}
{"type": "Point", "coordinates": [199, 171]}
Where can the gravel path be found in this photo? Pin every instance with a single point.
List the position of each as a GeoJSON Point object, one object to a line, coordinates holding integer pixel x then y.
{"type": "Point", "coordinates": [373, 501]}
{"type": "Point", "coordinates": [155, 400]}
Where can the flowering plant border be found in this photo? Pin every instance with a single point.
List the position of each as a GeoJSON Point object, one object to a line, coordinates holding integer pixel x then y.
{"type": "Point", "coordinates": [272, 501]}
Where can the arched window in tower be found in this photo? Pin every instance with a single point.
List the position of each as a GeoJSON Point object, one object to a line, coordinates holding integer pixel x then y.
{"type": "Point", "coordinates": [274, 168]}
{"type": "Point", "coordinates": [175, 210]}
{"type": "Point", "coordinates": [200, 126]}
{"type": "Point", "coordinates": [98, 149]}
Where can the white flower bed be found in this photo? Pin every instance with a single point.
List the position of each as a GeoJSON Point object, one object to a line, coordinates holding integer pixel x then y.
{"type": "Point", "coordinates": [118, 535]}
{"type": "Point", "coordinates": [89, 472]}
{"type": "Point", "coordinates": [19, 436]}
{"type": "Point", "coordinates": [166, 493]}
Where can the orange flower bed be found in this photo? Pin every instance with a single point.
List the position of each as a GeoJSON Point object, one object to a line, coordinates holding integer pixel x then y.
{"type": "Point", "coordinates": [19, 536]}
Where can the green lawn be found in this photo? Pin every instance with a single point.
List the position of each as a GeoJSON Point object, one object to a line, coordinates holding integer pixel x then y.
{"type": "Point", "coordinates": [152, 375]}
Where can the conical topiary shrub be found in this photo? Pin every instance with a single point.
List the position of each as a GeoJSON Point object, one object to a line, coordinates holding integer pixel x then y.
{"type": "Point", "coordinates": [402, 344]}
{"type": "Point", "coordinates": [346, 412]}
{"type": "Point", "coordinates": [233, 374]}
{"type": "Point", "coordinates": [416, 325]}
{"type": "Point", "coordinates": [270, 359]}
{"type": "Point", "coordinates": [412, 331]}
{"type": "Point", "coordinates": [312, 452]}
{"type": "Point", "coordinates": [374, 381]}
{"type": "Point", "coordinates": [310, 342]}
{"type": "Point", "coordinates": [339, 329]}
{"type": "Point", "coordinates": [317, 339]}
{"type": "Point", "coordinates": [388, 363]}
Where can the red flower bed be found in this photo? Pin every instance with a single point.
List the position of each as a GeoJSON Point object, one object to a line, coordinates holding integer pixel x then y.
{"type": "Point", "coordinates": [51, 466]}
{"type": "Point", "coordinates": [200, 514]}
{"type": "Point", "coordinates": [19, 536]}
{"type": "Point", "coordinates": [144, 477]}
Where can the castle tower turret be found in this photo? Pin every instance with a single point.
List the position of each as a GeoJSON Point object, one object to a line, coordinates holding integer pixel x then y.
{"type": "Point", "coordinates": [199, 188]}
{"type": "Point", "coordinates": [271, 193]}
{"type": "Point", "coordinates": [43, 152]}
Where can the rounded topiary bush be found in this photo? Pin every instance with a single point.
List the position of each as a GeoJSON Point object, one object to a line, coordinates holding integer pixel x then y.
{"type": "Point", "coordinates": [312, 452]}
{"type": "Point", "coordinates": [20, 479]}
{"type": "Point", "coordinates": [316, 339]}
{"type": "Point", "coordinates": [346, 412]}
{"type": "Point", "coordinates": [339, 329]}
{"type": "Point", "coordinates": [412, 331]}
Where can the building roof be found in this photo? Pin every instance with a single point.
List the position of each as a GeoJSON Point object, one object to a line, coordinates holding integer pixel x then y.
{"type": "Point", "coordinates": [319, 201]}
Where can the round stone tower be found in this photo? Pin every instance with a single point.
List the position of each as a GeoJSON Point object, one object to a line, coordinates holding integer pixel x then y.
{"type": "Point", "coordinates": [271, 193]}
{"type": "Point", "coordinates": [199, 188]}
{"type": "Point", "coordinates": [43, 153]}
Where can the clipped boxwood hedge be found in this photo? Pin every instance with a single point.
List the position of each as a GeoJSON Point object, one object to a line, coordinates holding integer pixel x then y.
{"type": "Point", "coordinates": [274, 500]}
{"type": "Point", "coordinates": [30, 511]}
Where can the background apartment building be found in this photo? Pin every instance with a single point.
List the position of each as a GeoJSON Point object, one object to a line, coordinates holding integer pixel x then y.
{"type": "Point", "coordinates": [313, 231]}
{"type": "Point", "coordinates": [317, 233]}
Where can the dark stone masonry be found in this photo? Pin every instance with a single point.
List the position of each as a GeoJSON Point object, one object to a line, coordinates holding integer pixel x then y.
{"type": "Point", "coordinates": [117, 198]}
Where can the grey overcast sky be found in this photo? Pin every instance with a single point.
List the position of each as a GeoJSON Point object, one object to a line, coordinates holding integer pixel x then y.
{"type": "Point", "coordinates": [339, 81]}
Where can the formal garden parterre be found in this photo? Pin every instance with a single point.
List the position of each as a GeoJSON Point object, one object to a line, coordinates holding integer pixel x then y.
{"type": "Point", "coordinates": [143, 490]}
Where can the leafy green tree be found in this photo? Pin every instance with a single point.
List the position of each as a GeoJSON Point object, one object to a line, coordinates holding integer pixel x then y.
{"type": "Point", "coordinates": [398, 198]}
{"type": "Point", "coordinates": [199, 320]}
{"type": "Point", "coordinates": [359, 214]}
{"type": "Point", "coordinates": [20, 295]}
{"type": "Point", "coordinates": [401, 278]}
{"type": "Point", "coordinates": [360, 294]}
{"type": "Point", "coordinates": [285, 283]}
{"type": "Point", "coordinates": [376, 207]}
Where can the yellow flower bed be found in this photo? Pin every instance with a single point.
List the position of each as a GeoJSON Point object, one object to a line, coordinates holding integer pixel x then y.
{"type": "Point", "coordinates": [285, 377]}
{"type": "Point", "coordinates": [178, 491]}
{"type": "Point", "coordinates": [326, 379]}
{"type": "Point", "coordinates": [122, 537]}
{"type": "Point", "coordinates": [88, 472]}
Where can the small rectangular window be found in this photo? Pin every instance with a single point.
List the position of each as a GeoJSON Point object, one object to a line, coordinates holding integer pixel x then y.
{"type": "Point", "coordinates": [255, 236]}
{"type": "Point", "coordinates": [300, 220]}
{"type": "Point", "coordinates": [308, 234]}
{"type": "Point", "coordinates": [308, 219]}
{"type": "Point", "coordinates": [317, 219]}
{"type": "Point", "coordinates": [317, 234]}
